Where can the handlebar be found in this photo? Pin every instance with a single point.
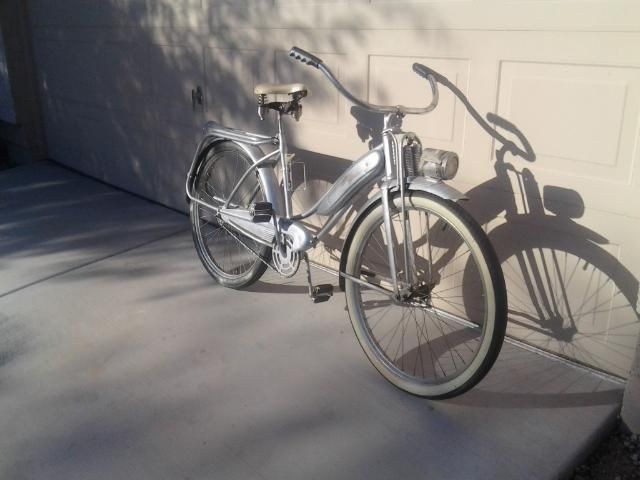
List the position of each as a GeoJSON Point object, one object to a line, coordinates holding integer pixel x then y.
{"type": "Point", "coordinates": [305, 57]}
{"type": "Point", "coordinates": [433, 78]}
{"type": "Point", "coordinates": [313, 61]}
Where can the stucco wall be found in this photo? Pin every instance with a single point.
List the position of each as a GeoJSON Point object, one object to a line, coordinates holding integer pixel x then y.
{"type": "Point", "coordinates": [116, 79]}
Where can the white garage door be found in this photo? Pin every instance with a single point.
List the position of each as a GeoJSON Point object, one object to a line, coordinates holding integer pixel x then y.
{"type": "Point", "coordinates": [117, 79]}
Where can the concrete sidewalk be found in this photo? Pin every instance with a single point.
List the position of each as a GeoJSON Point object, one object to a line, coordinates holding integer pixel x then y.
{"type": "Point", "coordinates": [121, 359]}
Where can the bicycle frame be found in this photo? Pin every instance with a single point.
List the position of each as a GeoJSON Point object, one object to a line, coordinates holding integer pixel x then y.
{"type": "Point", "coordinates": [378, 166]}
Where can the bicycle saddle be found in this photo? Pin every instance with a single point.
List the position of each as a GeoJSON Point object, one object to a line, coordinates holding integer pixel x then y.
{"type": "Point", "coordinates": [282, 97]}
{"type": "Point", "coordinates": [280, 89]}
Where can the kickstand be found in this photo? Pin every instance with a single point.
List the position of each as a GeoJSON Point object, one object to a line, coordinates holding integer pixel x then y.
{"type": "Point", "coordinates": [318, 293]}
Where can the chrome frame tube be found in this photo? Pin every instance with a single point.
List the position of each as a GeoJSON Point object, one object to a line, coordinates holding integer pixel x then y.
{"type": "Point", "coordinates": [329, 208]}
{"type": "Point", "coordinates": [286, 178]}
{"type": "Point", "coordinates": [389, 235]}
{"type": "Point", "coordinates": [409, 255]}
{"type": "Point", "coordinates": [330, 223]}
{"type": "Point", "coordinates": [391, 154]}
{"type": "Point", "coordinates": [359, 281]}
{"type": "Point", "coordinates": [204, 204]}
{"type": "Point", "coordinates": [191, 173]}
{"type": "Point", "coordinates": [253, 167]}
{"type": "Point", "coordinates": [366, 284]}
{"type": "Point", "coordinates": [212, 207]}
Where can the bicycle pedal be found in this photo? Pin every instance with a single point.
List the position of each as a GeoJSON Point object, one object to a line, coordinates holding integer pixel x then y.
{"type": "Point", "coordinates": [261, 212]}
{"type": "Point", "coordinates": [322, 293]}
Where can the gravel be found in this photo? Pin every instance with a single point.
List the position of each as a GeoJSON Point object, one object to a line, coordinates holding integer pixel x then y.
{"type": "Point", "coordinates": [617, 458]}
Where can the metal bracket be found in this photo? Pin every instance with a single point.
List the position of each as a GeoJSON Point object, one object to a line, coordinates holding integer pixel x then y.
{"type": "Point", "coordinates": [299, 169]}
{"type": "Point", "coordinates": [197, 97]}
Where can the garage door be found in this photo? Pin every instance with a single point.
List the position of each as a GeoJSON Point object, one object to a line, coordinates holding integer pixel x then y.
{"type": "Point", "coordinates": [117, 77]}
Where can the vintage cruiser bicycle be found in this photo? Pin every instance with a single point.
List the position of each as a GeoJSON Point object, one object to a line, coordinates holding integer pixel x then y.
{"type": "Point", "coordinates": [405, 256]}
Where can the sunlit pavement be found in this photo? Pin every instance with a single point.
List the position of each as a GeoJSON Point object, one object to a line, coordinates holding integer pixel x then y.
{"type": "Point", "coordinates": [120, 358]}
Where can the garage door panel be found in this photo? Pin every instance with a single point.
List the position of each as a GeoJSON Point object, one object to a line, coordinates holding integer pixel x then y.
{"type": "Point", "coordinates": [580, 119]}
{"type": "Point", "coordinates": [172, 161]}
{"type": "Point", "coordinates": [122, 76]}
{"type": "Point", "coordinates": [67, 69]}
{"type": "Point", "coordinates": [113, 76]}
{"type": "Point", "coordinates": [118, 156]}
{"type": "Point", "coordinates": [231, 76]}
{"type": "Point", "coordinates": [61, 126]}
{"type": "Point", "coordinates": [175, 71]}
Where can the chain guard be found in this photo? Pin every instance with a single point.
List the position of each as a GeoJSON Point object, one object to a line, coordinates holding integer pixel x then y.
{"type": "Point", "coordinates": [286, 265]}
{"type": "Point", "coordinates": [287, 262]}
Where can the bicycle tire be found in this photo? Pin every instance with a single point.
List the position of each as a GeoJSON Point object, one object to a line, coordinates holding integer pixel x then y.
{"type": "Point", "coordinates": [485, 327]}
{"type": "Point", "coordinates": [220, 248]}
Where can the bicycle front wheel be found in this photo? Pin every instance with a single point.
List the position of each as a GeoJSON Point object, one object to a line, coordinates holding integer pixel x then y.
{"type": "Point", "coordinates": [427, 341]}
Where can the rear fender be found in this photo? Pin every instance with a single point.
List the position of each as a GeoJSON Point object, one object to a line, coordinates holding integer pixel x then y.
{"type": "Point", "coordinates": [267, 174]}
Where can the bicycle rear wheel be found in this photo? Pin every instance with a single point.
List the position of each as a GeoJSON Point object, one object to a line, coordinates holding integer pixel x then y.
{"type": "Point", "coordinates": [233, 259]}
{"type": "Point", "coordinates": [427, 342]}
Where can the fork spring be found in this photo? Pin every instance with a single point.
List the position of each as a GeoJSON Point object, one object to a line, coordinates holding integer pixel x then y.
{"type": "Point", "coordinates": [411, 153]}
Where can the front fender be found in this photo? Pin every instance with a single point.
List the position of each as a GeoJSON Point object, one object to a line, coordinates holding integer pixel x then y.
{"type": "Point", "coordinates": [436, 187]}
{"type": "Point", "coordinates": [422, 184]}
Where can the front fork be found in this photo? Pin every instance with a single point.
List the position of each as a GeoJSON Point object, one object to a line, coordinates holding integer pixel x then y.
{"type": "Point", "coordinates": [388, 231]}
{"type": "Point", "coordinates": [396, 180]}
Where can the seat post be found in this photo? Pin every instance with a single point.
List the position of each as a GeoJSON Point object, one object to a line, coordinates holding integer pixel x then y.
{"type": "Point", "coordinates": [286, 174]}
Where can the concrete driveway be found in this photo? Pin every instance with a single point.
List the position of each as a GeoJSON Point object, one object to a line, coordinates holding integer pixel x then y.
{"type": "Point", "coordinates": [120, 358]}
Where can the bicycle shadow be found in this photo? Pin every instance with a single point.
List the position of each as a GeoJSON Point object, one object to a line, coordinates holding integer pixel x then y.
{"type": "Point", "coordinates": [525, 380]}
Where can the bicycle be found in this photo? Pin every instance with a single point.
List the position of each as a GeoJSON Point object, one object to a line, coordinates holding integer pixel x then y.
{"type": "Point", "coordinates": [404, 258]}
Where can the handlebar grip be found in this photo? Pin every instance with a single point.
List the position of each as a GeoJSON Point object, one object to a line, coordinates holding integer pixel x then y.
{"type": "Point", "coordinates": [432, 76]}
{"type": "Point", "coordinates": [427, 72]}
{"type": "Point", "coordinates": [305, 57]}
{"type": "Point", "coordinates": [422, 70]}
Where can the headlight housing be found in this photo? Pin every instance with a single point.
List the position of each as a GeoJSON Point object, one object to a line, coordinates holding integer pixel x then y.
{"type": "Point", "coordinates": [440, 164]}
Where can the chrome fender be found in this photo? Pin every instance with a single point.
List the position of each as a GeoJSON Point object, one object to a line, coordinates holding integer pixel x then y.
{"type": "Point", "coordinates": [436, 187]}
{"type": "Point", "coordinates": [422, 184]}
{"type": "Point", "coordinates": [267, 174]}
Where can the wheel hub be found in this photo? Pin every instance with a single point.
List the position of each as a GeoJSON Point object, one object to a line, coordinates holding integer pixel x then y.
{"type": "Point", "coordinates": [419, 295]}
